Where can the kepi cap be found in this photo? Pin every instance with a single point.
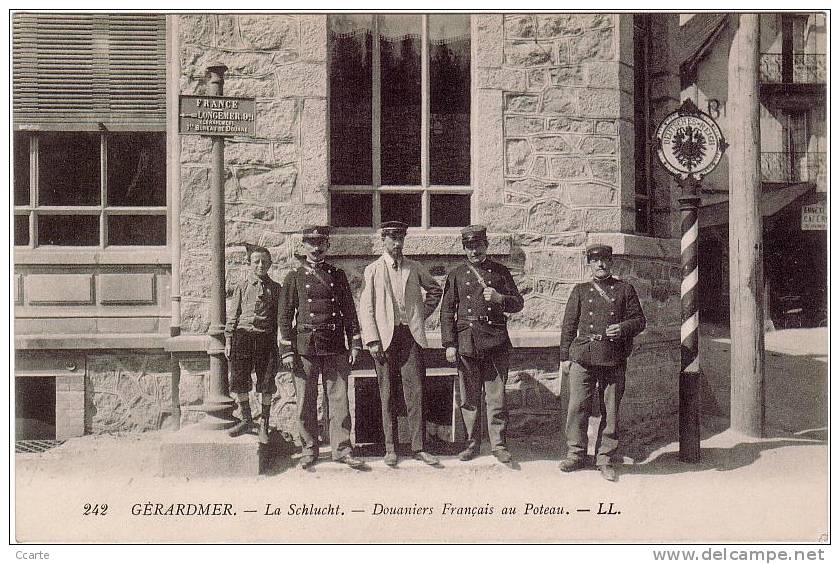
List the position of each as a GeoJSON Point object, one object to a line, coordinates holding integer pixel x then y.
{"type": "Point", "coordinates": [315, 232]}
{"type": "Point", "coordinates": [394, 228]}
{"type": "Point", "coordinates": [474, 233]}
{"type": "Point", "coordinates": [598, 250]}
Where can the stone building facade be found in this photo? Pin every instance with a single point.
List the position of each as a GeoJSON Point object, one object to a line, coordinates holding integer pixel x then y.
{"type": "Point", "coordinates": [554, 159]}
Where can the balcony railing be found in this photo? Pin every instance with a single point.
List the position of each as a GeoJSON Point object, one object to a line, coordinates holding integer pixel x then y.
{"type": "Point", "coordinates": [779, 68]}
{"type": "Point", "coordinates": [793, 167]}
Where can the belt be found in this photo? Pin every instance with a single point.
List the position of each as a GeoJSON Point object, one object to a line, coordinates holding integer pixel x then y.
{"type": "Point", "coordinates": [483, 318]}
{"type": "Point", "coordinates": [599, 338]}
{"type": "Point", "coordinates": [320, 326]}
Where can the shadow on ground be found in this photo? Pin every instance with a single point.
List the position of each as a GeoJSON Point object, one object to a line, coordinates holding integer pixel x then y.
{"type": "Point", "coordinates": [796, 414]}
{"type": "Point", "coordinates": [796, 398]}
{"type": "Point", "coordinates": [722, 459]}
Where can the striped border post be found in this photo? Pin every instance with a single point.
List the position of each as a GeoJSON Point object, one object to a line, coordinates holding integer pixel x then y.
{"type": "Point", "coordinates": [677, 153]}
{"type": "Point", "coordinates": [690, 330]}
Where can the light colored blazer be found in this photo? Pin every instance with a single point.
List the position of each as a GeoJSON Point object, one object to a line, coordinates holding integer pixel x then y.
{"type": "Point", "coordinates": [376, 307]}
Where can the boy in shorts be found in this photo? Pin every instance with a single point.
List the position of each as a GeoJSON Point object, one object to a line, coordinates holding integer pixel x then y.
{"type": "Point", "coordinates": [250, 341]}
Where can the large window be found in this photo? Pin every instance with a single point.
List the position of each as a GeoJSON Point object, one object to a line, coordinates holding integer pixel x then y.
{"type": "Point", "coordinates": [642, 120]}
{"type": "Point", "coordinates": [400, 120]}
{"type": "Point", "coordinates": [90, 189]}
{"type": "Point", "coordinates": [89, 108]}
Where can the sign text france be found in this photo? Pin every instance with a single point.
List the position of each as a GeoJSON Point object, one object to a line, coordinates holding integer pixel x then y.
{"type": "Point", "coordinates": [217, 115]}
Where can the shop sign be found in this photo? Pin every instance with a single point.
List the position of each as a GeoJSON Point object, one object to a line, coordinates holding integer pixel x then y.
{"type": "Point", "coordinates": [217, 115]}
{"type": "Point", "coordinates": [689, 142]}
{"type": "Point", "coordinates": [814, 217]}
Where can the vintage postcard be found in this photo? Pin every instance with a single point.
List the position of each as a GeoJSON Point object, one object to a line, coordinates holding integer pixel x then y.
{"type": "Point", "coordinates": [420, 277]}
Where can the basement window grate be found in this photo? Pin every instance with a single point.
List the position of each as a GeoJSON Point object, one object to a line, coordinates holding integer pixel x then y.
{"type": "Point", "coordinates": [35, 447]}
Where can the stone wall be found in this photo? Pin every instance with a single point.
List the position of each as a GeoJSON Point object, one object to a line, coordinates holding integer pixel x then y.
{"type": "Point", "coordinates": [275, 182]}
{"type": "Point", "coordinates": [552, 90]}
{"type": "Point", "coordinates": [552, 170]}
{"type": "Point", "coordinates": [552, 159]}
{"type": "Point", "coordinates": [127, 392]}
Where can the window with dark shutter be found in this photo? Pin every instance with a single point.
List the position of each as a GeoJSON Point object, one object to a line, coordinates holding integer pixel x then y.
{"type": "Point", "coordinates": [89, 71]}
{"type": "Point", "coordinates": [89, 117]}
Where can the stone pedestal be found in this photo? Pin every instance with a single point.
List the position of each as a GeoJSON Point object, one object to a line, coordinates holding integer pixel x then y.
{"type": "Point", "coordinates": [195, 452]}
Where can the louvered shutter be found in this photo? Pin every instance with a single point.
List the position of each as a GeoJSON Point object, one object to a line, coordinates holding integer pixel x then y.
{"type": "Point", "coordinates": [75, 71]}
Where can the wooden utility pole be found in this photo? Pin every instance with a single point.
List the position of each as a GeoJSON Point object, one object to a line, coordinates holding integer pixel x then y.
{"type": "Point", "coordinates": [746, 274]}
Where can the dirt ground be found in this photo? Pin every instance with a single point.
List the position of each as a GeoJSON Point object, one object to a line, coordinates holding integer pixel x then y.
{"type": "Point", "coordinates": [773, 489]}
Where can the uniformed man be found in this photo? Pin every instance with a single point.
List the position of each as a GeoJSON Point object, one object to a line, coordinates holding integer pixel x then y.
{"type": "Point", "coordinates": [474, 332]}
{"type": "Point", "coordinates": [317, 297]}
{"type": "Point", "coordinates": [601, 319]}
{"type": "Point", "coordinates": [393, 312]}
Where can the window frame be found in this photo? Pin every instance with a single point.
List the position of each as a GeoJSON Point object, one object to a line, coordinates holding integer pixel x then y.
{"type": "Point", "coordinates": [102, 211]}
{"type": "Point", "coordinates": [425, 189]}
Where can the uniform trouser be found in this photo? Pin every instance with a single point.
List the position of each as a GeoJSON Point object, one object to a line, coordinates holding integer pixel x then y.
{"type": "Point", "coordinates": [334, 369]}
{"type": "Point", "coordinates": [490, 373]}
{"type": "Point", "coordinates": [403, 367]}
{"type": "Point", "coordinates": [583, 382]}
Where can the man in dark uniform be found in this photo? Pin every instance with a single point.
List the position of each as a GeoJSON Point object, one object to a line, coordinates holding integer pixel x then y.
{"type": "Point", "coordinates": [602, 317]}
{"type": "Point", "coordinates": [474, 334]}
{"type": "Point", "coordinates": [317, 297]}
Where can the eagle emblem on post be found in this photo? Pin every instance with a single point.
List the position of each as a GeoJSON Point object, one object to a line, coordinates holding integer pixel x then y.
{"type": "Point", "coordinates": [689, 146]}
{"type": "Point", "coordinates": [689, 143]}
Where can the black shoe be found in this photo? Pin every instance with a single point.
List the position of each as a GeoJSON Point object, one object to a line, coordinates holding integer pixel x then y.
{"type": "Point", "coordinates": [608, 472]}
{"type": "Point", "coordinates": [391, 459]}
{"type": "Point", "coordinates": [423, 456]}
{"type": "Point", "coordinates": [466, 454]}
{"type": "Point", "coordinates": [307, 460]}
{"type": "Point", "coordinates": [241, 428]}
{"type": "Point", "coordinates": [572, 464]}
{"type": "Point", "coordinates": [351, 462]}
{"type": "Point", "coordinates": [502, 455]}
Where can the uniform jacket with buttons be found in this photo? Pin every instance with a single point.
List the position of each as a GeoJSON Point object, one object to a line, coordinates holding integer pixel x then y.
{"type": "Point", "coordinates": [376, 306]}
{"type": "Point", "coordinates": [316, 311]}
{"type": "Point", "coordinates": [470, 323]}
{"type": "Point", "coordinates": [587, 316]}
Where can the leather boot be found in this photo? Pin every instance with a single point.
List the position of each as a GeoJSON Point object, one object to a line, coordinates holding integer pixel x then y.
{"type": "Point", "coordinates": [246, 423]}
{"type": "Point", "coordinates": [262, 434]}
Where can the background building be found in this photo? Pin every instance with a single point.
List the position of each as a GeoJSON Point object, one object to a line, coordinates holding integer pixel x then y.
{"type": "Point", "coordinates": [535, 125]}
{"type": "Point", "coordinates": [793, 160]}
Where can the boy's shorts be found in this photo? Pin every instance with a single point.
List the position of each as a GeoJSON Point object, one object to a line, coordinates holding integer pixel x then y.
{"type": "Point", "coordinates": [253, 352]}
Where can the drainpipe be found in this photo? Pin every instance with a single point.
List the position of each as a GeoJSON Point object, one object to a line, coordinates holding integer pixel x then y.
{"type": "Point", "coordinates": [173, 180]}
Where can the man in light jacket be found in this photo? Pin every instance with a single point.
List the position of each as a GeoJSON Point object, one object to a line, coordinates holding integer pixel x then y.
{"type": "Point", "coordinates": [392, 314]}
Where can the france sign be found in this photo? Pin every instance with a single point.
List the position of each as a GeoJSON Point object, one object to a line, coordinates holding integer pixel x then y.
{"type": "Point", "coordinates": [217, 115]}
